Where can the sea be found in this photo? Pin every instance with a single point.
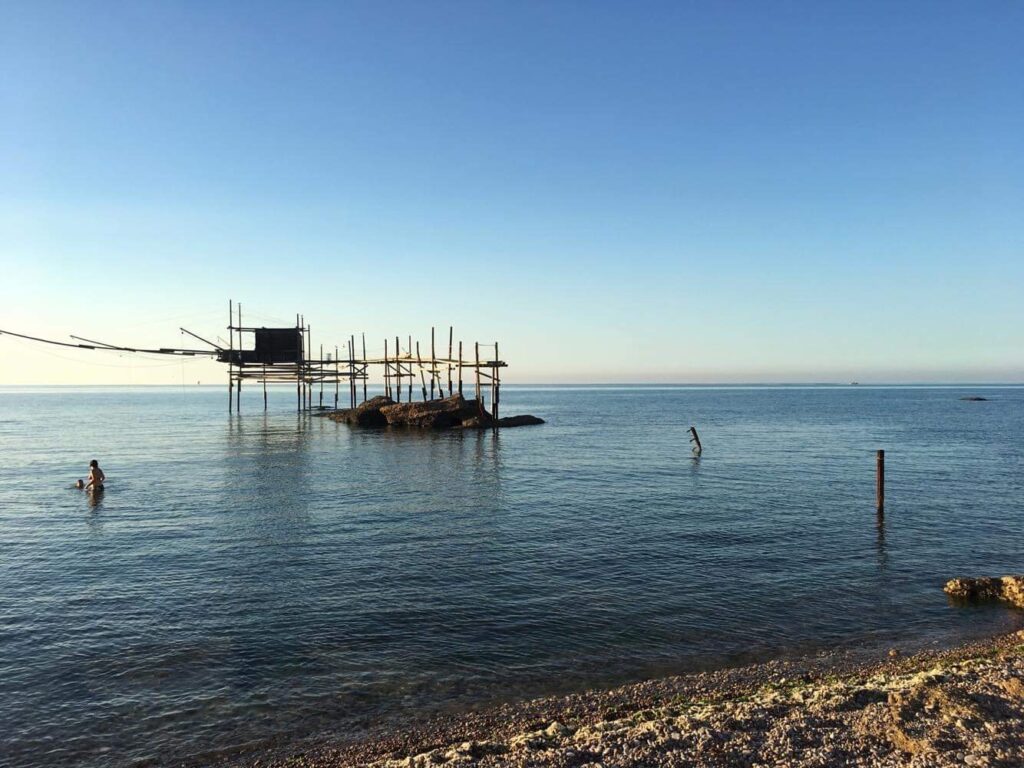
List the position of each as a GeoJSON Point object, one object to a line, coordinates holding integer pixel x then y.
{"type": "Point", "coordinates": [273, 580]}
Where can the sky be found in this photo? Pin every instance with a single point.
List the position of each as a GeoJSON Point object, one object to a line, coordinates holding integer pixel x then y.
{"type": "Point", "coordinates": [616, 191]}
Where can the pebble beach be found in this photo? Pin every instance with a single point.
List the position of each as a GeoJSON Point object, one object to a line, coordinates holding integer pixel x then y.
{"type": "Point", "coordinates": [954, 707]}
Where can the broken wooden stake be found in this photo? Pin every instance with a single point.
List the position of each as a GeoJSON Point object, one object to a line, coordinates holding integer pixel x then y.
{"type": "Point", "coordinates": [698, 449]}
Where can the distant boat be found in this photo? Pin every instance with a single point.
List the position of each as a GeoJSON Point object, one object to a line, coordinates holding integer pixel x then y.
{"type": "Point", "coordinates": [854, 383]}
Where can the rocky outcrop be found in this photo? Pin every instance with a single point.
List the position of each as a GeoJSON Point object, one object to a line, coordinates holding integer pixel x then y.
{"type": "Point", "coordinates": [1007, 588]}
{"type": "Point", "coordinates": [432, 414]}
{"type": "Point", "coordinates": [368, 414]}
{"type": "Point", "coordinates": [451, 412]}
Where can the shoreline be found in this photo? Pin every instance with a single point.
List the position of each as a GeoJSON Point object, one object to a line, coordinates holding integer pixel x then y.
{"type": "Point", "coordinates": [855, 707]}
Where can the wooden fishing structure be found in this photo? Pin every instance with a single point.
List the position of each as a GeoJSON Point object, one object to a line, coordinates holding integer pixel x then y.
{"type": "Point", "coordinates": [261, 356]}
{"type": "Point", "coordinates": [287, 355]}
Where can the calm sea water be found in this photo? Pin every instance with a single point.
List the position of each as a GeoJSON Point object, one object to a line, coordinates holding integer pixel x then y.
{"type": "Point", "coordinates": [271, 578]}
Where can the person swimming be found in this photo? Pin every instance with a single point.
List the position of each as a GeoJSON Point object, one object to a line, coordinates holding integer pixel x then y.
{"type": "Point", "coordinates": [80, 484]}
{"type": "Point", "coordinates": [96, 477]}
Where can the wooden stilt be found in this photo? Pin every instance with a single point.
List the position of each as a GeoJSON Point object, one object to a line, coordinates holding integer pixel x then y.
{"type": "Point", "coordinates": [476, 367]}
{"type": "Point", "coordinates": [238, 389]}
{"type": "Point", "coordinates": [451, 332]}
{"type": "Point", "coordinates": [496, 381]}
{"type": "Point", "coordinates": [366, 372]}
{"type": "Point", "coordinates": [460, 367]}
{"type": "Point", "coordinates": [398, 367]}
{"type": "Point", "coordinates": [419, 363]}
{"type": "Point", "coordinates": [231, 352]}
{"type": "Point", "coordinates": [352, 371]}
{"type": "Point", "coordinates": [433, 362]}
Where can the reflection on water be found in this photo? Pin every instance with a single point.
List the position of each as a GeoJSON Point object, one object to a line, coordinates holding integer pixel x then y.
{"type": "Point", "coordinates": [880, 542]}
{"type": "Point", "coordinates": [271, 575]}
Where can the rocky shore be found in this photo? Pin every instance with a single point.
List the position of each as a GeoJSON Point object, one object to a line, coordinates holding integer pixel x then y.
{"type": "Point", "coordinates": [1009, 589]}
{"type": "Point", "coordinates": [448, 413]}
{"type": "Point", "coordinates": [959, 707]}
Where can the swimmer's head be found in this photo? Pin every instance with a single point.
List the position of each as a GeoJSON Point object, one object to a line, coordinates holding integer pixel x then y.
{"type": "Point", "coordinates": [94, 463]}
{"type": "Point", "coordinates": [80, 483]}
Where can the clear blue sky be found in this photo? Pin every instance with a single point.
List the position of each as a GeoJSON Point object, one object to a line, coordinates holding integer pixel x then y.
{"type": "Point", "coordinates": [616, 191]}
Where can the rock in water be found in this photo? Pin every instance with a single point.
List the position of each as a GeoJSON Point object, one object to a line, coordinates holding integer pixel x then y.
{"type": "Point", "coordinates": [975, 399]}
{"type": "Point", "coordinates": [519, 421]}
{"type": "Point", "coordinates": [366, 414]}
{"type": "Point", "coordinates": [454, 411]}
{"type": "Point", "coordinates": [432, 414]}
{"type": "Point", "coordinates": [1007, 588]}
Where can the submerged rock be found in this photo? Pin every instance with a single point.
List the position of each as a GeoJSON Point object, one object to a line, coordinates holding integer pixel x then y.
{"type": "Point", "coordinates": [1007, 588]}
{"type": "Point", "coordinates": [519, 421]}
{"type": "Point", "coordinates": [975, 399]}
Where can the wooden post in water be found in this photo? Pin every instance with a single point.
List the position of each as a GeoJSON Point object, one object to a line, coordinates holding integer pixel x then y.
{"type": "Point", "coordinates": [298, 369]}
{"type": "Point", "coordinates": [423, 381]}
{"type": "Point", "coordinates": [309, 380]}
{"type": "Point", "coordinates": [387, 377]}
{"type": "Point", "coordinates": [238, 389]}
{"type": "Point", "coordinates": [479, 398]}
{"type": "Point", "coordinates": [264, 386]}
{"type": "Point", "coordinates": [398, 371]}
{"type": "Point", "coordinates": [352, 370]}
{"type": "Point", "coordinates": [433, 362]}
{"type": "Point", "coordinates": [408, 395]}
{"type": "Point", "coordinates": [305, 352]}
{"type": "Point", "coordinates": [231, 352]}
{"type": "Point", "coordinates": [366, 368]}
{"type": "Point", "coordinates": [880, 482]}
{"type": "Point", "coordinates": [460, 367]}
{"type": "Point", "coordinates": [496, 382]}
{"type": "Point", "coordinates": [451, 332]}
{"type": "Point", "coordinates": [698, 449]}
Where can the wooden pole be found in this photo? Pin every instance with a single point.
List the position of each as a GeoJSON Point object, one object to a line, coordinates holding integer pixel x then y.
{"type": "Point", "coordinates": [302, 367]}
{"type": "Point", "coordinates": [451, 332]}
{"type": "Point", "coordinates": [698, 449]}
{"type": "Point", "coordinates": [387, 371]}
{"type": "Point", "coordinates": [496, 397]}
{"type": "Point", "coordinates": [409, 393]}
{"type": "Point", "coordinates": [398, 366]}
{"type": "Point", "coordinates": [479, 399]}
{"type": "Point", "coordinates": [433, 362]}
{"type": "Point", "coordinates": [264, 386]}
{"type": "Point", "coordinates": [880, 481]}
{"type": "Point", "coordinates": [298, 369]}
{"type": "Point", "coordinates": [366, 369]}
{"type": "Point", "coordinates": [320, 366]}
{"type": "Point", "coordinates": [352, 370]}
{"type": "Point", "coordinates": [231, 352]}
{"type": "Point", "coordinates": [460, 367]}
{"type": "Point", "coordinates": [238, 389]}
{"type": "Point", "coordinates": [423, 381]}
